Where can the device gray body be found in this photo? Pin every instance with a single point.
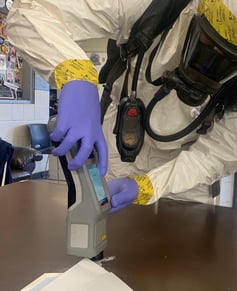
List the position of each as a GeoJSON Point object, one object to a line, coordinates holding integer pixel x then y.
{"type": "Point", "coordinates": [86, 218]}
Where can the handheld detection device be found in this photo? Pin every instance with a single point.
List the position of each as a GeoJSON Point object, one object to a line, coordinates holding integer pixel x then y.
{"type": "Point", "coordinates": [88, 205]}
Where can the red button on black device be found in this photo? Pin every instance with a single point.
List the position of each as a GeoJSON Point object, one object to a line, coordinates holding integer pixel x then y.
{"type": "Point", "coordinates": [132, 112]}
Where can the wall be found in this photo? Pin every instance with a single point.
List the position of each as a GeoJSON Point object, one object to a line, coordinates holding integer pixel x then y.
{"type": "Point", "coordinates": [14, 117]}
{"type": "Point", "coordinates": [227, 190]}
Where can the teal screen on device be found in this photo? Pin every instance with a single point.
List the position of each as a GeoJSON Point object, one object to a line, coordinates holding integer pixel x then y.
{"type": "Point", "coordinates": [97, 183]}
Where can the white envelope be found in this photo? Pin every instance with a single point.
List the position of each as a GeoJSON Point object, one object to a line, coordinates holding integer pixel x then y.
{"type": "Point", "coordinates": [87, 276]}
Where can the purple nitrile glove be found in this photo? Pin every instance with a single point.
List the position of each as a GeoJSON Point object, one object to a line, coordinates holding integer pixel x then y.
{"type": "Point", "coordinates": [122, 191]}
{"type": "Point", "coordinates": [79, 120]}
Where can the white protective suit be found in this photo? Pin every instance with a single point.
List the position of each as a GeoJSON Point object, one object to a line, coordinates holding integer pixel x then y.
{"type": "Point", "coordinates": [182, 169]}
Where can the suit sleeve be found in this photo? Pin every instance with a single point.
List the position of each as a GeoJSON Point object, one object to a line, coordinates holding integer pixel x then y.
{"type": "Point", "coordinates": [210, 158]}
{"type": "Point", "coordinates": [48, 32]}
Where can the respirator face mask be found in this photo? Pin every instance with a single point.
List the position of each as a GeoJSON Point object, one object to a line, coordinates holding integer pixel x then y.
{"type": "Point", "coordinates": [208, 61]}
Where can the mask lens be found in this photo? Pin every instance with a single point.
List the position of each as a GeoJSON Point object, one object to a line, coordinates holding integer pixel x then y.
{"type": "Point", "coordinates": [211, 62]}
{"type": "Point", "coordinates": [204, 60]}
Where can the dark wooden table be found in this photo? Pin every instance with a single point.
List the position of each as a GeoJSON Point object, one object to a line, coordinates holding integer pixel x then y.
{"type": "Point", "coordinates": [173, 246]}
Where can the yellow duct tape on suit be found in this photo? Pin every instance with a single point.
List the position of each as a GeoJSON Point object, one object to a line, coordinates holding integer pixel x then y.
{"type": "Point", "coordinates": [221, 18]}
{"type": "Point", "coordinates": [75, 69]}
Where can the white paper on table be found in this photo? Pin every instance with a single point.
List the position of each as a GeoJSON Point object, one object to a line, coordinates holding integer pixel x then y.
{"type": "Point", "coordinates": [41, 282]}
{"type": "Point", "coordinates": [87, 276]}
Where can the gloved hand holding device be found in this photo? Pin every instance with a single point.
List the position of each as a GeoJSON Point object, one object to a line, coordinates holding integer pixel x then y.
{"type": "Point", "coordinates": [79, 120]}
{"type": "Point", "coordinates": [135, 189]}
{"type": "Point", "coordinates": [123, 191]}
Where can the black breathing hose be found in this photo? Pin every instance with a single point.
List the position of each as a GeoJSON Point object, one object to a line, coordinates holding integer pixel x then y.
{"type": "Point", "coordinates": [160, 94]}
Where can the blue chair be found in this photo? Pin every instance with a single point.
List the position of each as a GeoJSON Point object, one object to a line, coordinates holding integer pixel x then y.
{"type": "Point", "coordinates": [6, 153]}
{"type": "Point", "coordinates": [40, 139]}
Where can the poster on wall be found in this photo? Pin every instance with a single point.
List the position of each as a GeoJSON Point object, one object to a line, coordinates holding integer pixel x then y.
{"type": "Point", "coordinates": [3, 63]}
{"type": "Point", "coordinates": [10, 77]}
{"type": "Point", "coordinates": [10, 66]}
{"type": "Point", "coordinates": [3, 75]}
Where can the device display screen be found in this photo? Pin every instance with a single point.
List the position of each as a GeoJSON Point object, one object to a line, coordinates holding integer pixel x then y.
{"type": "Point", "coordinates": [97, 183]}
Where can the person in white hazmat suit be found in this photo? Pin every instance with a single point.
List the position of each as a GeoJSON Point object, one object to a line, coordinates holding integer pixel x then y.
{"type": "Point", "coordinates": [48, 34]}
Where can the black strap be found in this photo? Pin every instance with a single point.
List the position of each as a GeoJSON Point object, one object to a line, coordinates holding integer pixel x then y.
{"type": "Point", "coordinates": [116, 71]}
{"type": "Point", "coordinates": [146, 28]}
{"type": "Point", "coordinates": [158, 16]}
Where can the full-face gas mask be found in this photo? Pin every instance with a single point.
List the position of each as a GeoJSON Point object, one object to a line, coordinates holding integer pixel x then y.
{"type": "Point", "coordinates": [208, 61]}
